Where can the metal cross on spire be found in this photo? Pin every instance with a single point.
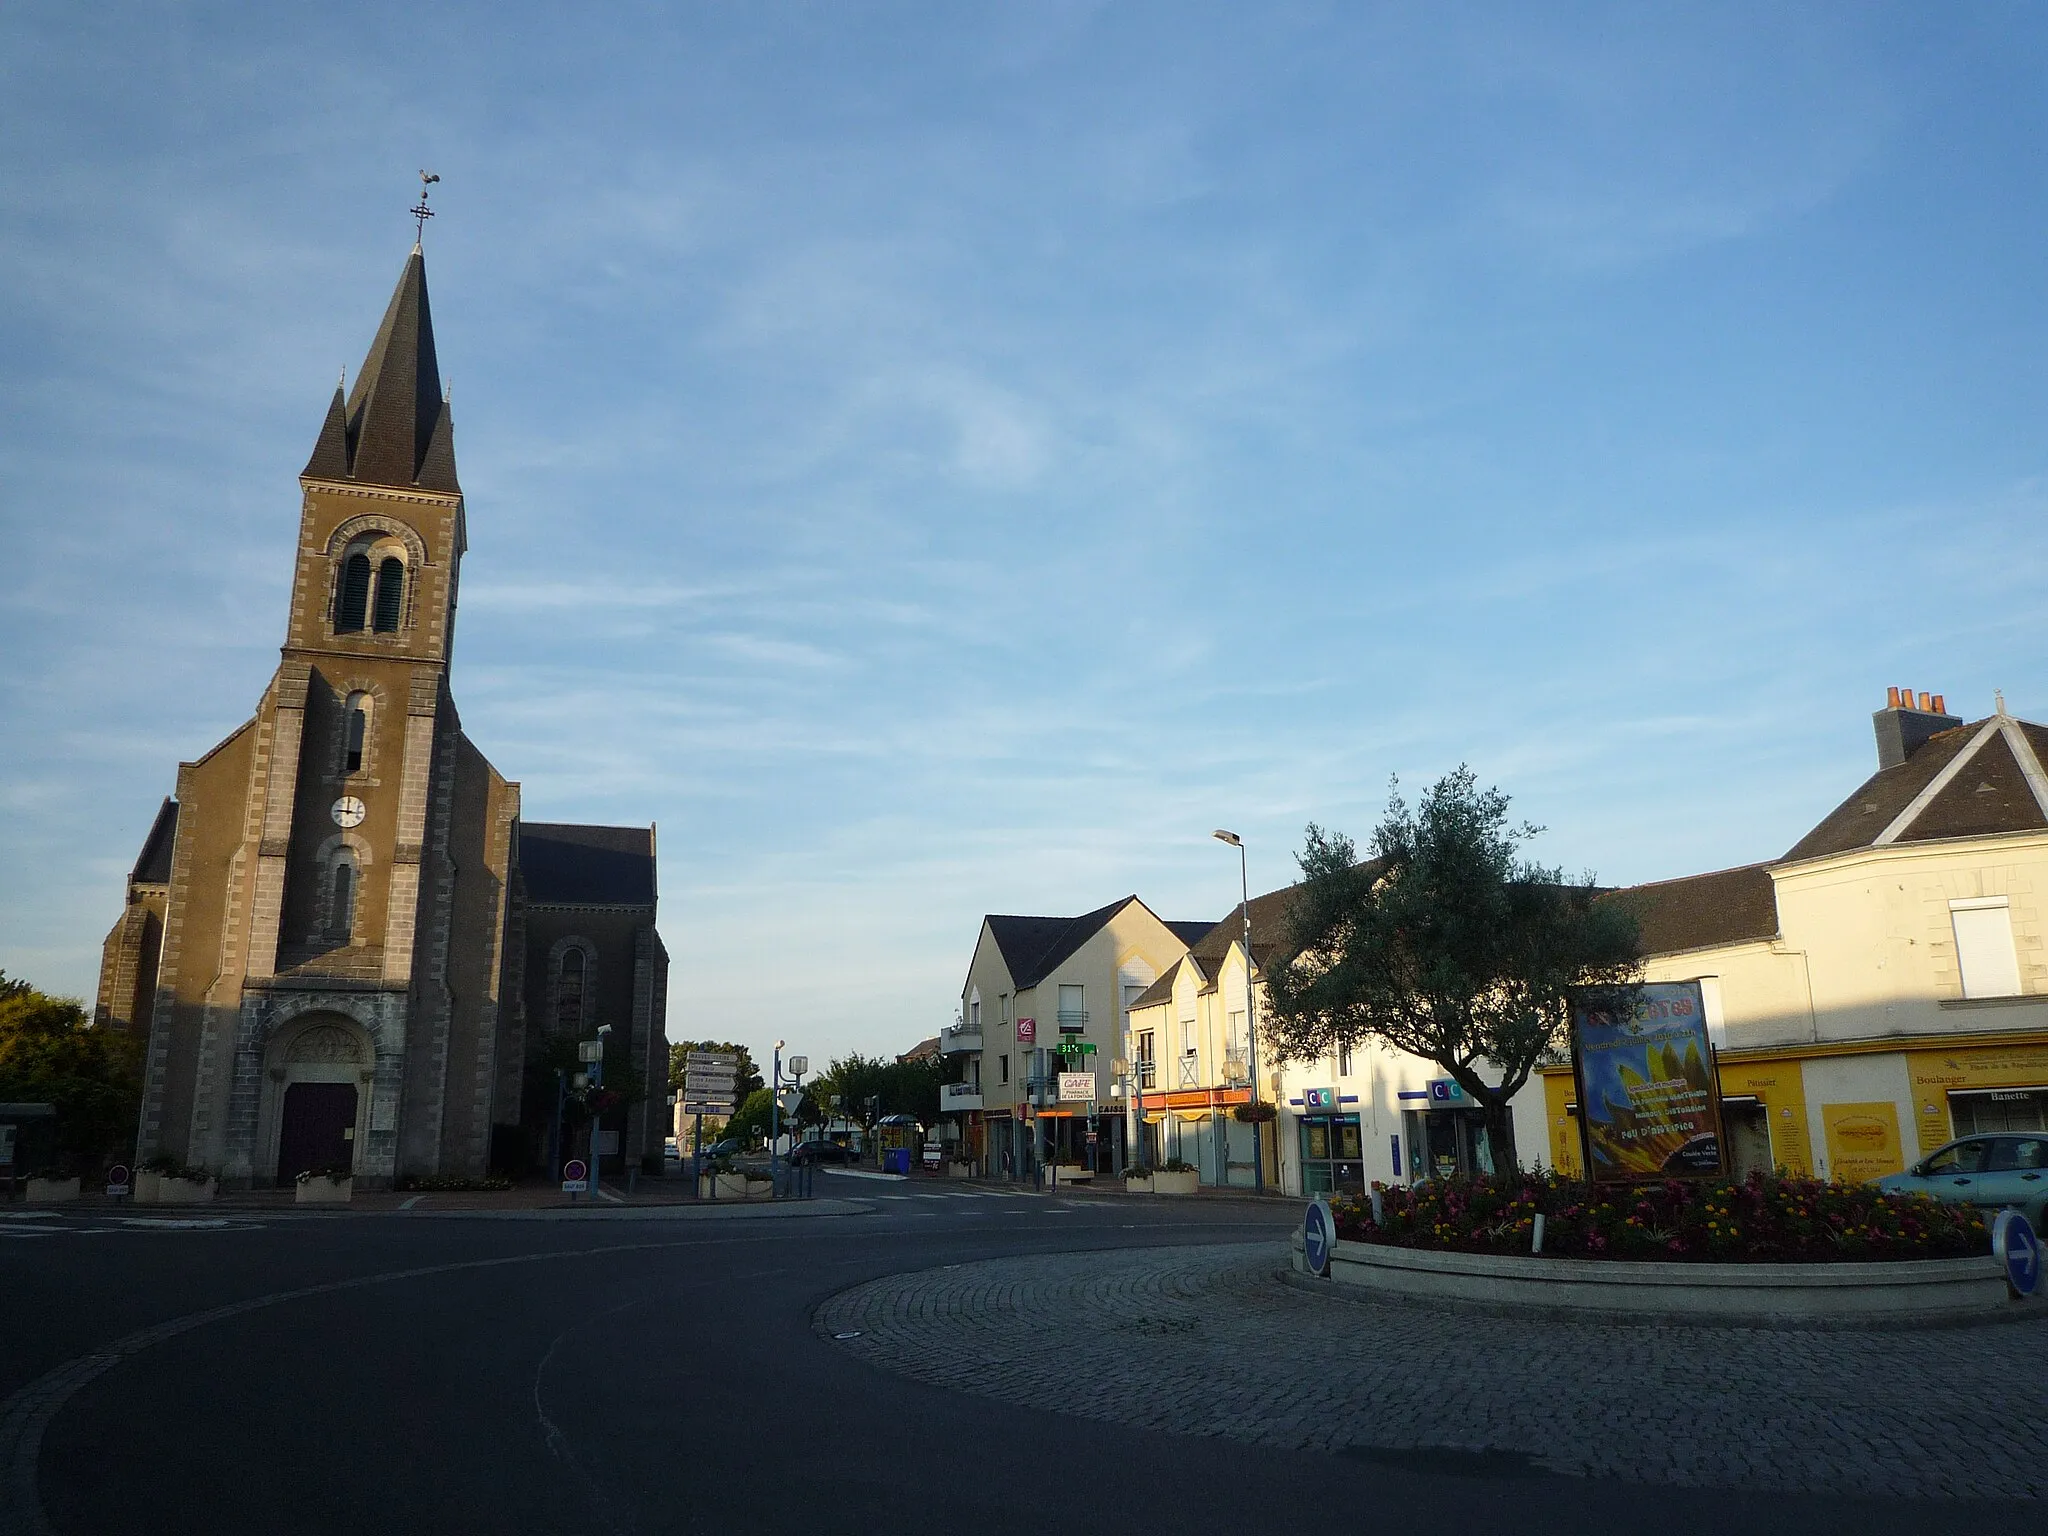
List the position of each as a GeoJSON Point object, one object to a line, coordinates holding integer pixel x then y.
{"type": "Point", "coordinates": [422, 212]}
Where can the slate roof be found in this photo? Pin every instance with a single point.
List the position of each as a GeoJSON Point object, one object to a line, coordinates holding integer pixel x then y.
{"type": "Point", "coordinates": [394, 428]}
{"type": "Point", "coordinates": [1972, 781]}
{"type": "Point", "coordinates": [568, 865]}
{"type": "Point", "coordinates": [1034, 947]}
{"type": "Point", "coordinates": [1727, 906]}
{"type": "Point", "coordinates": [153, 864]}
{"type": "Point", "coordinates": [1269, 932]}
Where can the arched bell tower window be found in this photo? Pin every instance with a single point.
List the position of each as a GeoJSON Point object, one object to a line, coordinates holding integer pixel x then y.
{"type": "Point", "coordinates": [390, 595]}
{"type": "Point", "coordinates": [354, 608]}
{"type": "Point", "coordinates": [358, 727]}
{"type": "Point", "coordinates": [341, 910]}
{"type": "Point", "coordinates": [572, 989]}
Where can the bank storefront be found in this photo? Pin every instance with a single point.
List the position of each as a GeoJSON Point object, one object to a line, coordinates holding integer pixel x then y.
{"type": "Point", "coordinates": [1856, 1110]}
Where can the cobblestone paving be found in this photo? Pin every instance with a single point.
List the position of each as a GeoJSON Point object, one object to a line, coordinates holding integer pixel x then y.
{"type": "Point", "coordinates": [1205, 1341]}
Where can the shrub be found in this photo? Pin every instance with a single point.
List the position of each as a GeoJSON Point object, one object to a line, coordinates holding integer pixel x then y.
{"type": "Point", "coordinates": [168, 1167]}
{"type": "Point", "coordinates": [1176, 1165]}
{"type": "Point", "coordinates": [1767, 1218]}
{"type": "Point", "coordinates": [1137, 1171]}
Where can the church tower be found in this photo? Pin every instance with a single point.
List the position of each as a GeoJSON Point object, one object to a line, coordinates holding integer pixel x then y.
{"type": "Point", "coordinates": [334, 908]}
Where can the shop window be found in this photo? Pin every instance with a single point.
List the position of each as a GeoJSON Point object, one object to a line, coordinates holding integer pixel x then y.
{"type": "Point", "coordinates": [1984, 949]}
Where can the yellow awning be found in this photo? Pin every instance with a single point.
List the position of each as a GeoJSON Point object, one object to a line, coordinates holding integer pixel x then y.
{"type": "Point", "coordinates": [1192, 1114]}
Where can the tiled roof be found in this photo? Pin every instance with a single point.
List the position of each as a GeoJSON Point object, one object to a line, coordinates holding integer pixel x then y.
{"type": "Point", "coordinates": [1725, 907]}
{"type": "Point", "coordinates": [1269, 932]}
{"type": "Point", "coordinates": [569, 865]}
{"type": "Point", "coordinates": [1973, 781]}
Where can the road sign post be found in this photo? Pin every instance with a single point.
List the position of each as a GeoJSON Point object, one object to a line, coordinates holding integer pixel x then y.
{"type": "Point", "coordinates": [117, 1182]}
{"type": "Point", "coordinates": [2018, 1252]}
{"type": "Point", "coordinates": [575, 1177]}
{"type": "Point", "coordinates": [1318, 1236]}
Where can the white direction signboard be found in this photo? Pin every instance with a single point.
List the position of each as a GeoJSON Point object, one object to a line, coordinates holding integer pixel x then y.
{"type": "Point", "coordinates": [1077, 1085]}
{"type": "Point", "coordinates": [713, 1059]}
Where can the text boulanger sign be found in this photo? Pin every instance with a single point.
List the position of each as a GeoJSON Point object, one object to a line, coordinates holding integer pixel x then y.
{"type": "Point", "coordinates": [1649, 1106]}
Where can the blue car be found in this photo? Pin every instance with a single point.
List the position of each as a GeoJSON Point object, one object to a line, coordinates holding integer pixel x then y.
{"type": "Point", "coordinates": [1992, 1171]}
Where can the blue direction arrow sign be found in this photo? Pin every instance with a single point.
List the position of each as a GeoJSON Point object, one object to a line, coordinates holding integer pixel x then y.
{"type": "Point", "coordinates": [1318, 1236]}
{"type": "Point", "coordinates": [2017, 1249]}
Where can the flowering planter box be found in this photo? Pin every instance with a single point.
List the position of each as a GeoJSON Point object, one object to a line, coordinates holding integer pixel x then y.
{"type": "Point", "coordinates": [321, 1190]}
{"type": "Point", "coordinates": [51, 1191]}
{"type": "Point", "coordinates": [1139, 1186]}
{"type": "Point", "coordinates": [156, 1189]}
{"type": "Point", "coordinates": [960, 1170]}
{"type": "Point", "coordinates": [1176, 1183]}
{"type": "Point", "coordinates": [1927, 1292]}
{"type": "Point", "coordinates": [1066, 1173]}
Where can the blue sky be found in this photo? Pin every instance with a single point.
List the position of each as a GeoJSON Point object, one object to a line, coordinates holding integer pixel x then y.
{"type": "Point", "coordinates": [937, 459]}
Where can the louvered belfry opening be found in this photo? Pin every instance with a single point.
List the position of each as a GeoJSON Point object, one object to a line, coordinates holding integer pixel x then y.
{"type": "Point", "coordinates": [355, 595]}
{"type": "Point", "coordinates": [390, 595]}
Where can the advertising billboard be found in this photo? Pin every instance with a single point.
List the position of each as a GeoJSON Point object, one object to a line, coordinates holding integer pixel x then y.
{"type": "Point", "coordinates": [1649, 1107]}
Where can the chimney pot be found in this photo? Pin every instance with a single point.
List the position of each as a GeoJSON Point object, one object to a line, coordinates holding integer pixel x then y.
{"type": "Point", "coordinates": [1891, 697]}
{"type": "Point", "coordinates": [1926, 701]}
{"type": "Point", "coordinates": [1940, 705]}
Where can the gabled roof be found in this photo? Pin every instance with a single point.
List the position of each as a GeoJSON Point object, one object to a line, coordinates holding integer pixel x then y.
{"type": "Point", "coordinates": [1161, 991]}
{"type": "Point", "coordinates": [1976, 780]}
{"type": "Point", "coordinates": [153, 864]}
{"type": "Point", "coordinates": [1034, 947]}
{"type": "Point", "coordinates": [924, 1050]}
{"type": "Point", "coordinates": [394, 428]}
{"type": "Point", "coordinates": [569, 865]}
{"type": "Point", "coordinates": [1728, 906]}
{"type": "Point", "coordinates": [1269, 933]}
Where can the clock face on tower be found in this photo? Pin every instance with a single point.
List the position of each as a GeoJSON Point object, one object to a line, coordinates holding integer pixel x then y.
{"type": "Point", "coordinates": [348, 811]}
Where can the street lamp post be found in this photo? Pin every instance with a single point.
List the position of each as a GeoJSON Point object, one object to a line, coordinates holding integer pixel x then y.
{"type": "Point", "coordinates": [1251, 1027]}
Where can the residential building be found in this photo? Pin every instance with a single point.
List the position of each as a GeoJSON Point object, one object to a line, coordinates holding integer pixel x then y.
{"type": "Point", "coordinates": [1362, 1114]}
{"type": "Point", "coordinates": [1883, 986]}
{"type": "Point", "coordinates": [346, 949]}
{"type": "Point", "coordinates": [1041, 1025]}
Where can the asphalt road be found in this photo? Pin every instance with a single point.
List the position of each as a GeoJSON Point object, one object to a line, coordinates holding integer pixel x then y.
{"type": "Point", "coordinates": [409, 1372]}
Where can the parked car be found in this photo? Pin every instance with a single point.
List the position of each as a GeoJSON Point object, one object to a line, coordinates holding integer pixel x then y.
{"type": "Point", "coordinates": [728, 1147]}
{"type": "Point", "coordinates": [670, 1153]}
{"type": "Point", "coordinates": [819, 1152]}
{"type": "Point", "coordinates": [1996, 1170]}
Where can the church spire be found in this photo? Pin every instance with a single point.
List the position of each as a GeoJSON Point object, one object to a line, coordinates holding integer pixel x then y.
{"type": "Point", "coordinates": [395, 413]}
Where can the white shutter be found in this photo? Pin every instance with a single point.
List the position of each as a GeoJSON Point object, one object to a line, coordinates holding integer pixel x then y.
{"type": "Point", "coordinates": [1984, 951]}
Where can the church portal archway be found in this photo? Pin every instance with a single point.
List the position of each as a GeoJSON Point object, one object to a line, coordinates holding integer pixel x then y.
{"type": "Point", "coordinates": [321, 1071]}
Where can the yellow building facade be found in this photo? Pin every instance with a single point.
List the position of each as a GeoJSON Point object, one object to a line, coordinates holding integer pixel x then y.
{"type": "Point", "coordinates": [1882, 988]}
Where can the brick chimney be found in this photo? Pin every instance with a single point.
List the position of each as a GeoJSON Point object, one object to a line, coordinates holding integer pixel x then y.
{"type": "Point", "coordinates": [1905, 723]}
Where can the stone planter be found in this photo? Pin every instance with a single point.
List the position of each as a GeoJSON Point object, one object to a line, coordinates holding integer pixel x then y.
{"type": "Point", "coordinates": [51, 1191]}
{"type": "Point", "coordinates": [760, 1189]}
{"type": "Point", "coordinates": [155, 1189]}
{"type": "Point", "coordinates": [321, 1190]}
{"type": "Point", "coordinates": [1066, 1173]}
{"type": "Point", "coordinates": [1906, 1292]}
{"type": "Point", "coordinates": [1164, 1183]}
{"type": "Point", "coordinates": [1139, 1186]}
{"type": "Point", "coordinates": [959, 1170]}
{"type": "Point", "coordinates": [732, 1186]}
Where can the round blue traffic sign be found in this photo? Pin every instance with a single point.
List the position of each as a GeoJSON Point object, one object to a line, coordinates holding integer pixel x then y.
{"type": "Point", "coordinates": [575, 1169]}
{"type": "Point", "coordinates": [2018, 1251]}
{"type": "Point", "coordinates": [1318, 1236]}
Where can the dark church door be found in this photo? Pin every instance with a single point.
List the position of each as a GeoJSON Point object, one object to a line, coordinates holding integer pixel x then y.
{"type": "Point", "coordinates": [316, 1133]}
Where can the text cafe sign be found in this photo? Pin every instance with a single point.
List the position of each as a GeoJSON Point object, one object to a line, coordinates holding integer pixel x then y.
{"type": "Point", "coordinates": [1649, 1105]}
{"type": "Point", "coordinates": [1077, 1085]}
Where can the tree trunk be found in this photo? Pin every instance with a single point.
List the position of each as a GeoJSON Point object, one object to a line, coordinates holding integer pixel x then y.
{"type": "Point", "coordinates": [1500, 1135]}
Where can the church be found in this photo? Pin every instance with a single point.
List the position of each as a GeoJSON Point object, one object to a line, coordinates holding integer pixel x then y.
{"type": "Point", "coordinates": [345, 945]}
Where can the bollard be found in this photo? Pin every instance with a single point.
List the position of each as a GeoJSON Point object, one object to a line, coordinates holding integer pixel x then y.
{"type": "Point", "coordinates": [1536, 1236]}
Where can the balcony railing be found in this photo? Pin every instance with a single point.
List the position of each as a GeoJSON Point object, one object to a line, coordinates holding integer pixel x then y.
{"type": "Point", "coordinates": [1148, 1072]}
{"type": "Point", "coordinates": [1191, 1071]}
{"type": "Point", "coordinates": [1073, 1020]}
{"type": "Point", "coordinates": [957, 1038]}
{"type": "Point", "coordinates": [954, 1097]}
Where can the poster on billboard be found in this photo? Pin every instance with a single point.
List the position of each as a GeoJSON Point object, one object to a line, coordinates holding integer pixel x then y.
{"type": "Point", "coordinates": [1649, 1107]}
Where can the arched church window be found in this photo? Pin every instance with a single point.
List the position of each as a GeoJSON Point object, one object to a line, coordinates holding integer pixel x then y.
{"type": "Point", "coordinates": [358, 731]}
{"type": "Point", "coordinates": [355, 594]}
{"type": "Point", "coordinates": [342, 913]}
{"type": "Point", "coordinates": [390, 595]}
{"type": "Point", "coordinates": [569, 992]}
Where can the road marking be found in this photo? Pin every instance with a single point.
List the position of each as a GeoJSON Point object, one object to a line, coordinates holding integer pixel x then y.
{"type": "Point", "coordinates": [406, 1205]}
{"type": "Point", "coordinates": [31, 1231]}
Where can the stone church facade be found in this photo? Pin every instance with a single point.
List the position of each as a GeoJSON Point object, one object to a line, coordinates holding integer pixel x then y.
{"type": "Point", "coordinates": [344, 944]}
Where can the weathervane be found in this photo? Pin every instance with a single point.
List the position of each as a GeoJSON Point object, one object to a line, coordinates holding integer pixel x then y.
{"type": "Point", "coordinates": [423, 212]}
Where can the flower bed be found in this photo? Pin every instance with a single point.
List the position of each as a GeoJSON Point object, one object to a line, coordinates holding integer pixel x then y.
{"type": "Point", "coordinates": [1765, 1219]}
